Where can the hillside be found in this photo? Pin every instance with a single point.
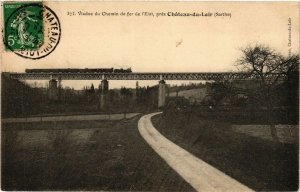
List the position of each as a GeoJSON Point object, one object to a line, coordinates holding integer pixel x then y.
{"type": "Point", "coordinates": [192, 94]}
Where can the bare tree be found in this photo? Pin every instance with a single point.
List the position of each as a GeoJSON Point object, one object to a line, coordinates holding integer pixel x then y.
{"type": "Point", "coordinates": [272, 69]}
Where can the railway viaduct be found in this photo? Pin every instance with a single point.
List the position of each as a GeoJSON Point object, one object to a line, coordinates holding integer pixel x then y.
{"type": "Point", "coordinates": [55, 78]}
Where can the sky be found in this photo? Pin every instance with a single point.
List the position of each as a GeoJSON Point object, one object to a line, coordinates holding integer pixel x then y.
{"type": "Point", "coordinates": [162, 44]}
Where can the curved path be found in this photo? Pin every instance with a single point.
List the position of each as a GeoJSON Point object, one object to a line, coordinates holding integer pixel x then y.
{"type": "Point", "coordinates": [200, 175]}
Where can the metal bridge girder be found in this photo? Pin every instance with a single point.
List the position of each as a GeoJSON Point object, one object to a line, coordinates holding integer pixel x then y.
{"type": "Point", "coordinates": [141, 76]}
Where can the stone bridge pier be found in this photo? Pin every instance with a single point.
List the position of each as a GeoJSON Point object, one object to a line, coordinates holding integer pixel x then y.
{"type": "Point", "coordinates": [161, 93]}
{"type": "Point", "coordinates": [53, 90]}
{"type": "Point", "coordinates": [103, 93]}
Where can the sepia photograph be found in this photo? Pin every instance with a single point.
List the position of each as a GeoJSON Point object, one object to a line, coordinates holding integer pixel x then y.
{"type": "Point", "coordinates": [150, 96]}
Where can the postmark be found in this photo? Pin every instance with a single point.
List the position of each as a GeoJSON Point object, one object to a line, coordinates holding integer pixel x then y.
{"type": "Point", "coordinates": [31, 30]}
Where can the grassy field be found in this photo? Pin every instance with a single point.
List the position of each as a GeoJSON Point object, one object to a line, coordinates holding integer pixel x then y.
{"type": "Point", "coordinates": [83, 155]}
{"type": "Point", "coordinates": [262, 165]}
{"type": "Point", "coordinates": [195, 94]}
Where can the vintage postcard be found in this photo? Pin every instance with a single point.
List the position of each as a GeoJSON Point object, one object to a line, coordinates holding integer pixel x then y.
{"type": "Point", "coordinates": [149, 96]}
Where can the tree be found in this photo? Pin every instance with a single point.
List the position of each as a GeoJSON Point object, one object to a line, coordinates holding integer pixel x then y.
{"type": "Point", "coordinates": [92, 89]}
{"type": "Point", "coordinates": [271, 69]}
{"type": "Point", "coordinates": [126, 96]}
{"type": "Point", "coordinates": [218, 91]}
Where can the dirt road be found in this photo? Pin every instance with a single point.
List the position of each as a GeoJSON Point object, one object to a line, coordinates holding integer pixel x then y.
{"type": "Point", "coordinates": [70, 118]}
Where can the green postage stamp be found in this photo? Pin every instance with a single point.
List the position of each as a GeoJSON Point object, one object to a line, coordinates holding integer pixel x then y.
{"type": "Point", "coordinates": [23, 26]}
{"type": "Point", "coordinates": [31, 30]}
